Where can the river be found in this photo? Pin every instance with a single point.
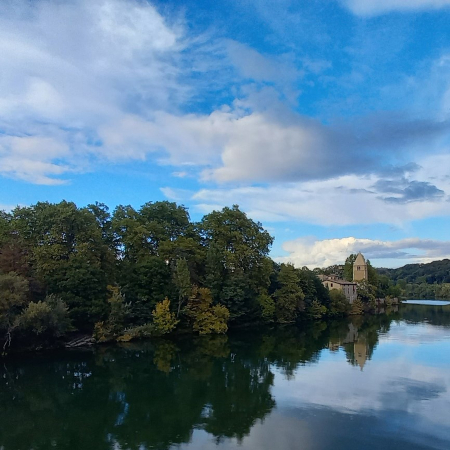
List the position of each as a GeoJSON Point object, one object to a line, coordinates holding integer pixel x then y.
{"type": "Point", "coordinates": [382, 382]}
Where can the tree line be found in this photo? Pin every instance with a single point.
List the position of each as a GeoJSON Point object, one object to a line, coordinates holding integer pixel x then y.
{"type": "Point", "coordinates": [134, 273]}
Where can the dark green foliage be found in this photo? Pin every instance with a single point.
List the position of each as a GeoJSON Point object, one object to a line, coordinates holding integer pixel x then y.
{"type": "Point", "coordinates": [421, 281]}
{"type": "Point", "coordinates": [434, 272]}
{"type": "Point", "coordinates": [339, 305]}
{"type": "Point", "coordinates": [237, 266]}
{"type": "Point", "coordinates": [182, 282]}
{"type": "Point", "coordinates": [148, 254]}
{"type": "Point", "coordinates": [313, 288]}
{"type": "Point", "coordinates": [49, 318]}
{"type": "Point", "coordinates": [348, 267]}
{"type": "Point", "coordinates": [289, 297]}
{"type": "Point", "coordinates": [13, 298]}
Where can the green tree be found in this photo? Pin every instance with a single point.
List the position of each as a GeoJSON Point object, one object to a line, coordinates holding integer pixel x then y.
{"type": "Point", "coordinates": [289, 297]}
{"type": "Point", "coordinates": [366, 293]}
{"type": "Point", "coordinates": [206, 318]}
{"type": "Point", "coordinates": [357, 307]}
{"type": "Point", "coordinates": [316, 310]}
{"type": "Point", "coordinates": [68, 256]}
{"type": "Point", "coordinates": [13, 298]}
{"type": "Point", "coordinates": [183, 282]}
{"type": "Point", "coordinates": [339, 305]}
{"type": "Point", "coordinates": [267, 306]}
{"type": "Point", "coordinates": [49, 317]}
{"type": "Point", "coordinates": [239, 254]}
{"type": "Point", "coordinates": [117, 319]}
{"type": "Point", "coordinates": [348, 267]}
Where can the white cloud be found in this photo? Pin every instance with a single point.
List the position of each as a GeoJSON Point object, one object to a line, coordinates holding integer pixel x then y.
{"type": "Point", "coordinates": [322, 253]}
{"type": "Point", "coordinates": [30, 158]}
{"type": "Point", "coordinates": [279, 70]}
{"type": "Point", "coordinates": [77, 66]}
{"type": "Point", "coordinates": [376, 7]}
{"type": "Point", "coordinates": [106, 81]}
{"type": "Point", "coordinates": [344, 200]}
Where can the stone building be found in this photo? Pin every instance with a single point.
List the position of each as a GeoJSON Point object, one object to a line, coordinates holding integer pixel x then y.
{"type": "Point", "coordinates": [360, 268]}
{"type": "Point", "coordinates": [348, 288]}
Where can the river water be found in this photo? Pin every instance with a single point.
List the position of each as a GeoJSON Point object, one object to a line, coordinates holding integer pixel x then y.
{"type": "Point", "coordinates": [382, 382]}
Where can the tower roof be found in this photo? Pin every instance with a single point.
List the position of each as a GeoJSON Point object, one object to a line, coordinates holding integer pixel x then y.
{"type": "Point", "coordinates": [360, 259]}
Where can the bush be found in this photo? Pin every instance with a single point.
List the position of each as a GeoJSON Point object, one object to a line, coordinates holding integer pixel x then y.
{"type": "Point", "coordinates": [357, 307]}
{"type": "Point", "coordinates": [267, 307]}
{"type": "Point", "coordinates": [339, 305]}
{"type": "Point", "coordinates": [13, 296]}
{"type": "Point", "coordinates": [139, 332]}
{"type": "Point", "coordinates": [164, 321]}
{"type": "Point", "coordinates": [48, 317]}
{"type": "Point", "coordinates": [119, 312]}
{"type": "Point", "coordinates": [316, 310]}
{"type": "Point", "coordinates": [206, 319]}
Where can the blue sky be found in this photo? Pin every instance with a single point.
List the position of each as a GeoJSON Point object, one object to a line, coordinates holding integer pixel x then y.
{"type": "Point", "coordinates": [328, 121]}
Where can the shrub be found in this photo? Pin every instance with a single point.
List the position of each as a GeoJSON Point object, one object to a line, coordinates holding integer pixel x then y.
{"type": "Point", "coordinates": [164, 320]}
{"type": "Point", "coordinates": [50, 316]}
{"type": "Point", "coordinates": [206, 319]}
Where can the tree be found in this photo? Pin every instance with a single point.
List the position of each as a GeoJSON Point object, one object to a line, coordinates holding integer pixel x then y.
{"type": "Point", "coordinates": [316, 310]}
{"type": "Point", "coordinates": [339, 304]}
{"type": "Point", "coordinates": [267, 306]}
{"type": "Point", "coordinates": [239, 254]}
{"type": "Point", "coordinates": [206, 318]}
{"type": "Point", "coordinates": [357, 307]}
{"type": "Point", "coordinates": [68, 256]}
{"type": "Point", "coordinates": [289, 297]}
{"type": "Point", "coordinates": [49, 317]}
{"type": "Point", "coordinates": [183, 282]}
{"type": "Point", "coordinates": [13, 297]}
{"type": "Point", "coordinates": [348, 267]}
{"type": "Point", "coordinates": [366, 292]}
{"type": "Point", "coordinates": [150, 240]}
{"type": "Point", "coordinates": [163, 319]}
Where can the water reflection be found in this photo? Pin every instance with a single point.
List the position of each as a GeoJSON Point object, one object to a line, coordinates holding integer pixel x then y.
{"type": "Point", "coordinates": [364, 383]}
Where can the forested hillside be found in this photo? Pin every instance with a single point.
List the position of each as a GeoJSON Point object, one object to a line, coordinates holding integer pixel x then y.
{"type": "Point", "coordinates": [433, 272]}
{"type": "Point", "coordinates": [421, 281]}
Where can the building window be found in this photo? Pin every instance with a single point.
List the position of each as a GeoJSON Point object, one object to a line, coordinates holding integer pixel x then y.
{"type": "Point", "coordinates": [331, 284]}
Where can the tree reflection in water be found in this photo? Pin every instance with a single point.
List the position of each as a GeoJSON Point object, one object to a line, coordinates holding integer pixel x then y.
{"type": "Point", "coordinates": [155, 394]}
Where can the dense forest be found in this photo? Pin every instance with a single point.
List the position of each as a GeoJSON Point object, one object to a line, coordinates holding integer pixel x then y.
{"type": "Point", "coordinates": [137, 273]}
{"type": "Point", "coordinates": [68, 270]}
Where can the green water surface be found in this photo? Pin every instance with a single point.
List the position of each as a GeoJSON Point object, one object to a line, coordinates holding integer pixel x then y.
{"type": "Point", "coordinates": [382, 382]}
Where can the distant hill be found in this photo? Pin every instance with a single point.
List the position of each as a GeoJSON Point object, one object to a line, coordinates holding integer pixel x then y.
{"type": "Point", "coordinates": [433, 272]}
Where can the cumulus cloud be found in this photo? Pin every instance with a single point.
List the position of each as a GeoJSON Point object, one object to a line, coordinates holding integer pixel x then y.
{"type": "Point", "coordinates": [321, 253]}
{"type": "Point", "coordinates": [377, 7]}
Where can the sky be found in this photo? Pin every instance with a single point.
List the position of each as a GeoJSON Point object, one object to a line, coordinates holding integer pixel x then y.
{"type": "Point", "coordinates": [326, 120]}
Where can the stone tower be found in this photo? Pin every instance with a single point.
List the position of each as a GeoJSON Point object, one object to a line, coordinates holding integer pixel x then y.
{"type": "Point", "coordinates": [360, 268]}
